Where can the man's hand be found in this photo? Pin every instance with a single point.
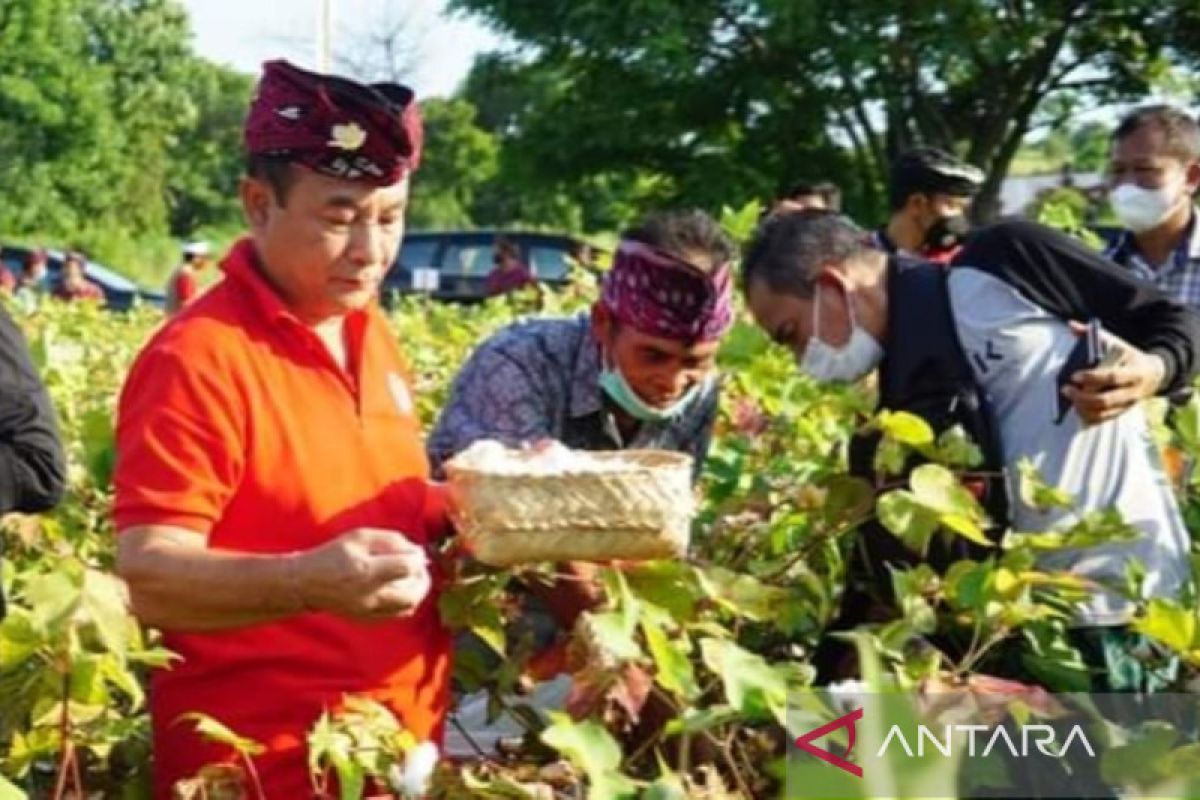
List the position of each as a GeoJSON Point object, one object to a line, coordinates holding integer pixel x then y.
{"type": "Point", "coordinates": [1106, 392]}
{"type": "Point", "coordinates": [367, 572]}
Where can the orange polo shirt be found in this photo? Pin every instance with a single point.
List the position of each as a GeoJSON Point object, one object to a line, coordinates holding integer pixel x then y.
{"type": "Point", "coordinates": [236, 422]}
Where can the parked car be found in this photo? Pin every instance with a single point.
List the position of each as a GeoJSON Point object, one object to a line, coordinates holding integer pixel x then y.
{"type": "Point", "coordinates": [119, 291]}
{"type": "Point", "coordinates": [454, 265]}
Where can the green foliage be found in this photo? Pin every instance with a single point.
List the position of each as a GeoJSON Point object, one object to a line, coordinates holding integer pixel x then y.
{"type": "Point", "coordinates": [591, 748]}
{"type": "Point", "coordinates": [734, 99]}
{"type": "Point", "coordinates": [114, 136]}
{"type": "Point", "coordinates": [1068, 210]}
{"type": "Point", "coordinates": [459, 158]}
{"type": "Point", "coordinates": [689, 662]}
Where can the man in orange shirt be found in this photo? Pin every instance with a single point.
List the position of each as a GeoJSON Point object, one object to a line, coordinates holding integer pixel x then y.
{"type": "Point", "coordinates": [272, 499]}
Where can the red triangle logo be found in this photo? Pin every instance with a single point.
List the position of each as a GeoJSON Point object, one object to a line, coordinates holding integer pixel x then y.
{"type": "Point", "coordinates": [805, 742]}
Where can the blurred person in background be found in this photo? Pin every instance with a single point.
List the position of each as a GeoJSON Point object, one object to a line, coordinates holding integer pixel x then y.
{"type": "Point", "coordinates": [821, 195]}
{"type": "Point", "coordinates": [73, 283]}
{"type": "Point", "coordinates": [33, 283]}
{"type": "Point", "coordinates": [509, 271]}
{"type": "Point", "coordinates": [182, 285]}
{"type": "Point", "coordinates": [929, 193]}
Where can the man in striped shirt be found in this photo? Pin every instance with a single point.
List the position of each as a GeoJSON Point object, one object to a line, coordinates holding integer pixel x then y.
{"type": "Point", "coordinates": [1155, 171]}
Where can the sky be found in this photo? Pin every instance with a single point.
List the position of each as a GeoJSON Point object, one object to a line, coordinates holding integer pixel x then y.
{"type": "Point", "coordinates": [244, 33]}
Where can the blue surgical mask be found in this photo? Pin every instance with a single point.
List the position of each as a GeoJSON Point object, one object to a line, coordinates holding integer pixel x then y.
{"type": "Point", "coordinates": [620, 392]}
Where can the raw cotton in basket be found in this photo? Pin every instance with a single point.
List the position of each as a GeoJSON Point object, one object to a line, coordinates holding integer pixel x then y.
{"type": "Point", "coordinates": [549, 458]}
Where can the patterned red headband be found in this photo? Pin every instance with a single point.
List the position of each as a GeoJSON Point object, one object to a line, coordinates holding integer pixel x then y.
{"type": "Point", "coordinates": [333, 125]}
{"type": "Point", "coordinates": [662, 295]}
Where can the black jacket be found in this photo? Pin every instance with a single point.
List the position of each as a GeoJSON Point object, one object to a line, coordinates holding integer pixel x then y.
{"type": "Point", "coordinates": [926, 373]}
{"type": "Point", "coordinates": [32, 464]}
{"type": "Point", "coordinates": [1071, 281]}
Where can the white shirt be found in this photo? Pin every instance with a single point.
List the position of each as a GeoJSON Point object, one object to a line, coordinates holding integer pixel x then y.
{"type": "Point", "coordinates": [1016, 349]}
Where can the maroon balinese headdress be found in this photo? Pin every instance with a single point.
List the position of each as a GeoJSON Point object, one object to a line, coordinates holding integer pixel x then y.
{"type": "Point", "coordinates": [334, 125]}
{"type": "Point", "coordinates": [662, 295]}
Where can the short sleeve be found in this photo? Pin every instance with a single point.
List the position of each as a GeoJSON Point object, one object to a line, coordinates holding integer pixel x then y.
{"type": "Point", "coordinates": [180, 442]}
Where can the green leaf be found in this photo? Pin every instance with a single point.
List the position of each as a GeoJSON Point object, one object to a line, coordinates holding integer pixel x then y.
{"type": "Point", "coordinates": [739, 223]}
{"type": "Point", "coordinates": [54, 597]}
{"type": "Point", "coordinates": [967, 528]}
{"type": "Point", "coordinates": [1097, 528]}
{"type": "Point", "coordinates": [967, 583]}
{"type": "Point", "coordinates": [671, 585]}
{"type": "Point", "coordinates": [673, 667]}
{"type": "Point", "coordinates": [475, 607]}
{"type": "Point", "coordinates": [1142, 762]}
{"type": "Point", "coordinates": [668, 787]}
{"type": "Point", "coordinates": [751, 685]}
{"type": "Point", "coordinates": [593, 750]}
{"type": "Point", "coordinates": [890, 457]}
{"type": "Point", "coordinates": [1039, 495]}
{"type": "Point", "coordinates": [1187, 423]}
{"type": "Point", "coordinates": [909, 521]}
{"type": "Point", "coordinates": [9, 791]}
{"type": "Point", "coordinates": [694, 720]}
{"type": "Point", "coordinates": [328, 746]}
{"type": "Point", "coordinates": [19, 639]}
{"type": "Point", "coordinates": [846, 499]}
{"type": "Point", "coordinates": [99, 447]}
{"type": "Point", "coordinates": [115, 672]}
{"type": "Point", "coordinates": [1168, 622]}
{"type": "Point", "coordinates": [954, 448]}
{"type": "Point", "coordinates": [743, 595]}
{"type": "Point", "coordinates": [937, 488]}
{"type": "Point", "coordinates": [611, 632]}
{"type": "Point", "coordinates": [910, 588]}
{"type": "Point", "coordinates": [87, 680]}
{"type": "Point", "coordinates": [216, 732]}
{"type": "Point", "coordinates": [905, 428]}
{"type": "Point", "coordinates": [1053, 661]}
{"type": "Point", "coordinates": [627, 605]}
{"type": "Point", "coordinates": [742, 345]}
{"type": "Point", "coordinates": [103, 600]}
{"type": "Point", "coordinates": [352, 778]}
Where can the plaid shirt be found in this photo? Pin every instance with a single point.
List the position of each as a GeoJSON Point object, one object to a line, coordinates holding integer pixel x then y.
{"type": "Point", "coordinates": [540, 379]}
{"type": "Point", "coordinates": [1178, 278]}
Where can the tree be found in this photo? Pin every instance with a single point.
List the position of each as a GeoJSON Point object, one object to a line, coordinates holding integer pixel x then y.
{"type": "Point", "coordinates": [459, 157]}
{"type": "Point", "coordinates": [55, 126]}
{"type": "Point", "coordinates": [206, 157]}
{"type": "Point", "coordinates": [142, 48]}
{"type": "Point", "coordinates": [113, 133]}
{"type": "Point", "coordinates": [730, 98]}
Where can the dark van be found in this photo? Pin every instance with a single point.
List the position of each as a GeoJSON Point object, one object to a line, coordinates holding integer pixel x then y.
{"type": "Point", "coordinates": [454, 265]}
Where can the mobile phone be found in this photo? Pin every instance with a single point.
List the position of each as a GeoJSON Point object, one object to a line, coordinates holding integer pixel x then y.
{"type": "Point", "coordinates": [1088, 353]}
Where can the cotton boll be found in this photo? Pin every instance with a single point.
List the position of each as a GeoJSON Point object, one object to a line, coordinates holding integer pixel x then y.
{"type": "Point", "coordinates": [412, 783]}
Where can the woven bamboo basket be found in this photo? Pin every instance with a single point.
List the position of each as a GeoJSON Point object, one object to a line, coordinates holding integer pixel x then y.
{"type": "Point", "coordinates": [642, 510]}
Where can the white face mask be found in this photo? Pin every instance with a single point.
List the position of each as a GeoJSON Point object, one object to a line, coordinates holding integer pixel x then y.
{"type": "Point", "coordinates": [825, 363]}
{"type": "Point", "coordinates": [1141, 209]}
